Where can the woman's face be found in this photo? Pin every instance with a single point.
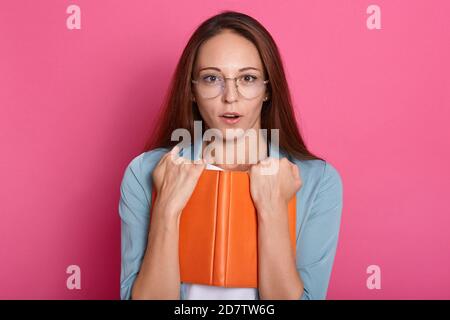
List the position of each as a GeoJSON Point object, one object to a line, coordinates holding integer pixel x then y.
{"type": "Point", "coordinates": [229, 52]}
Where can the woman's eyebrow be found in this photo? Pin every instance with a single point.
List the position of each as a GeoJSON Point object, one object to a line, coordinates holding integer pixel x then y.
{"type": "Point", "coordinates": [242, 69]}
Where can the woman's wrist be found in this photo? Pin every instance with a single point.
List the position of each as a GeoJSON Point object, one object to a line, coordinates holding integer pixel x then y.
{"type": "Point", "coordinates": [267, 212]}
{"type": "Point", "coordinates": [166, 206]}
{"type": "Point", "coordinates": [164, 212]}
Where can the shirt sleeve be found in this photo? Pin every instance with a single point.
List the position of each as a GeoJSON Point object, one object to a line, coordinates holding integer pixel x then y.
{"type": "Point", "coordinates": [318, 240]}
{"type": "Point", "coordinates": [134, 212]}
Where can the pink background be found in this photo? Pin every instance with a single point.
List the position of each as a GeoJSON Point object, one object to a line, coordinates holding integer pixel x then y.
{"type": "Point", "coordinates": [77, 106]}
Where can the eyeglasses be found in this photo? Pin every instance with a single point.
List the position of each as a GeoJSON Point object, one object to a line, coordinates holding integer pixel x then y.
{"type": "Point", "coordinates": [212, 85]}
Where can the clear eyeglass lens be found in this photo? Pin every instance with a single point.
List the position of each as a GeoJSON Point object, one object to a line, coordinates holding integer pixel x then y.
{"type": "Point", "coordinates": [212, 85]}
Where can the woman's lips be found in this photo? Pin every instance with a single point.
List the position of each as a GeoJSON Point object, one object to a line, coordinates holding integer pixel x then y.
{"type": "Point", "coordinates": [229, 120]}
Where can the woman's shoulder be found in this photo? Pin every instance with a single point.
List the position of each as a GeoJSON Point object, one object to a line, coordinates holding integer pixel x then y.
{"type": "Point", "coordinates": [146, 161]}
{"type": "Point", "coordinates": [318, 172]}
{"type": "Point", "coordinates": [321, 191]}
{"type": "Point", "coordinates": [140, 168]}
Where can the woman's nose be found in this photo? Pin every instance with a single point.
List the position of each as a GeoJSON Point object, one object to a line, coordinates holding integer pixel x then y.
{"type": "Point", "coordinates": [230, 91]}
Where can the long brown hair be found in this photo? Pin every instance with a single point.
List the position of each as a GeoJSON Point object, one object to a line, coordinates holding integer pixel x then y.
{"type": "Point", "coordinates": [179, 111]}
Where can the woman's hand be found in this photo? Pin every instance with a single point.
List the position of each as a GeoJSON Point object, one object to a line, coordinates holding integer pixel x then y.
{"type": "Point", "coordinates": [175, 179]}
{"type": "Point", "coordinates": [274, 189]}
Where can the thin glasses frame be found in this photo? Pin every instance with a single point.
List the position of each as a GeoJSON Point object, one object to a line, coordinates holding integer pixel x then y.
{"type": "Point", "coordinates": [265, 82]}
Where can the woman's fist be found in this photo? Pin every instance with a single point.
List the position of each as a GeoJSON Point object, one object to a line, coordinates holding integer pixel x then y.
{"type": "Point", "coordinates": [273, 183]}
{"type": "Point", "coordinates": [175, 179]}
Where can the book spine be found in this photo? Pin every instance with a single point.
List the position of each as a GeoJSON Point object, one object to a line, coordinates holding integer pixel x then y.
{"type": "Point", "coordinates": [221, 234]}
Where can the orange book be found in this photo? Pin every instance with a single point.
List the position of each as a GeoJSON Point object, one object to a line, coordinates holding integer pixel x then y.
{"type": "Point", "coordinates": [218, 241]}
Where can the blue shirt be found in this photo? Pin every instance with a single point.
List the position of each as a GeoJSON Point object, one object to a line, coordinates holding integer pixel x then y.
{"type": "Point", "coordinates": [319, 210]}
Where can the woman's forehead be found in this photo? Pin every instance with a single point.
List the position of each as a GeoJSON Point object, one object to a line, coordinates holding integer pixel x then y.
{"type": "Point", "coordinates": [229, 53]}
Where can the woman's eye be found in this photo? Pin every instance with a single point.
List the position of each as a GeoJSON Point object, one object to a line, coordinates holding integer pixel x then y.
{"type": "Point", "coordinates": [248, 78]}
{"type": "Point", "coordinates": [210, 78]}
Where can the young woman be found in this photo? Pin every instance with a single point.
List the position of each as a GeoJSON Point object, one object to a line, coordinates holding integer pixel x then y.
{"type": "Point", "coordinates": [230, 76]}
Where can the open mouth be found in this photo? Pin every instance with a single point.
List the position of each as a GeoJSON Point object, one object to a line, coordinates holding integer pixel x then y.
{"type": "Point", "coordinates": [231, 114]}
{"type": "Point", "coordinates": [231, 117]}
